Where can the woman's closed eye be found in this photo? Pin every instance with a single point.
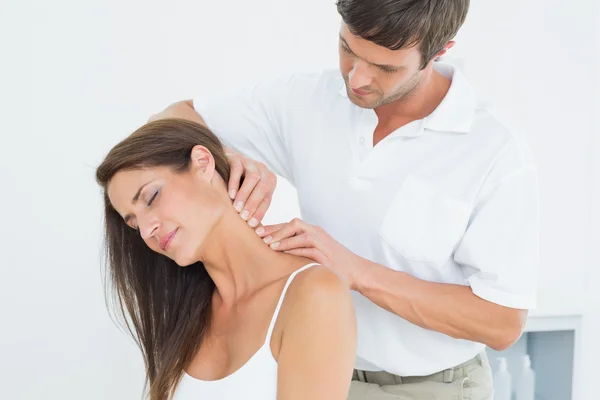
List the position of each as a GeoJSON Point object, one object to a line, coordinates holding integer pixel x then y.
{"type": "Point", "coordinates": [154, 194]}
{"type": "Point", "coordinates": [148, 203]}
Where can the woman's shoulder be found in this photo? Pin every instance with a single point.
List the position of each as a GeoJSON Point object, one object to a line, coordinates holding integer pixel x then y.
{"type": "Point", "coordinates": [317, 286]}
{"type": "Point", "coordinates": [318, 279]}
{"type": "Point", "coordinates": [316, 297]}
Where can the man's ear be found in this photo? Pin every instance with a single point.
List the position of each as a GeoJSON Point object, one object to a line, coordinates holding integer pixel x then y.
{"type": "Point", "coordinates": [447, 47]}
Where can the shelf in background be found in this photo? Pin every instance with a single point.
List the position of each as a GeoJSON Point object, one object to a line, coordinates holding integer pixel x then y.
{"type": "Point", "coordinates": [554, 344]}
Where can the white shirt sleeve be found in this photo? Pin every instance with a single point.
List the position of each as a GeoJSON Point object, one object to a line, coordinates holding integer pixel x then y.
{"type": "Point", "coordinates": [499, 251]}
{"type": "Point", "coordinates": [251, 121]}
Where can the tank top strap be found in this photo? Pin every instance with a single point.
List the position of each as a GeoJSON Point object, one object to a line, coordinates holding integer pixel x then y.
{"type": "Point", "coordinates": [285, 288]}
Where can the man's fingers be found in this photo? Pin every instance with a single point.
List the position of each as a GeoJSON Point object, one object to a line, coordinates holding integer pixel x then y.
{"type": "Point", "coordinates": [269, 229]}
{"type": "Point", "coordinates": [296, 227]}
{"type": "Point", "coordinates": [251, 178]}
{"type": "Point", "coordinates": [286, 231]}
{"type": "Point", "coordinates": [252, 197]}
{"type": "Point", "coordinates": [235, 175]}
{"type": "Point", "coordinates": [293, 242]}
{"type": "Point", "coordinates": [260, 212]}
{"type": "Point", "coordinates": [258, 198]}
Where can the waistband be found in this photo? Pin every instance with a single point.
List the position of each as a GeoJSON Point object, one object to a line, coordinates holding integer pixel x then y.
{"type": "Point", "coordinates": [382, 378]}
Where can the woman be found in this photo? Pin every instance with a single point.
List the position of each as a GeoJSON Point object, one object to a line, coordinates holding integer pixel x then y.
{"type": "Point", "coordinates": [216, 312]}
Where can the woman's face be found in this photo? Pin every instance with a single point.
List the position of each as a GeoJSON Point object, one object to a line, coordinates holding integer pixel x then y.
{"type": "Point", "coordinates": [173, 212]}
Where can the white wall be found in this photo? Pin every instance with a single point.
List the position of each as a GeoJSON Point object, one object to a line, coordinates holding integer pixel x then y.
{"type": "Point", "coordinates": [98, 69]}
{"type": "Point", "coordinates": [591, 323]}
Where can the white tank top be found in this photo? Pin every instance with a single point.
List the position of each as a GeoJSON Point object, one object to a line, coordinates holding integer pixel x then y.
{"type": "Point", "coordinates": [255, 380]}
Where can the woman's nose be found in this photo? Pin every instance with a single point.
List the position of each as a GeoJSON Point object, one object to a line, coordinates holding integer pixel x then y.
{"type": "Point", "coordinates": [149, 229]}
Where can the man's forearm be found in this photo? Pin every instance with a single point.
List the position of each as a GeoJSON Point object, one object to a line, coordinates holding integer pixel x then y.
{"type": "Point", "coordinates": [450, 309]}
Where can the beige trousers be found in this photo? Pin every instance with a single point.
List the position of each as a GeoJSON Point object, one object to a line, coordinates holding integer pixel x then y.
{"type": "Point", "coordinates": [471, 380]}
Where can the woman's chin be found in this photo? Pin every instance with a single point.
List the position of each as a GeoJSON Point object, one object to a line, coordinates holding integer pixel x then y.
{"type": "Point", "coordinates": [183, 261]}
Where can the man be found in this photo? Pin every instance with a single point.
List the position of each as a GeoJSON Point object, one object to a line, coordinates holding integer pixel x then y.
{"type": "Point", "coordinates": [408, 187]}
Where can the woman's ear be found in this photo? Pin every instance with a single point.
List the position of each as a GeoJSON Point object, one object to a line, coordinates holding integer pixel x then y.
{"type": "Point", "coordinates": [202, 162]}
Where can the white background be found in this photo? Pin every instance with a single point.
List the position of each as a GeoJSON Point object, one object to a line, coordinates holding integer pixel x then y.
{"type": "Point", "coordinates": [77, 76]}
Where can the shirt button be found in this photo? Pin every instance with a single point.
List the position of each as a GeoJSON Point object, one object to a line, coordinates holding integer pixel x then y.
{"type": "Point", "coordinates": [362, 140]}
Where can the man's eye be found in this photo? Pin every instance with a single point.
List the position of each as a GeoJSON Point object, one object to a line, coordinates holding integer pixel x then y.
{"type": "Point", "coordinates": [388, 70]}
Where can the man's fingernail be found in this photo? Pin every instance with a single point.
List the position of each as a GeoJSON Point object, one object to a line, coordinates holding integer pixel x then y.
{"type": "Point", "coordinates": [260, 230]}
{"type": "Point", "coordinates": [232, 194]}
{"type": "Point", "coordinates": [239, 205]}
{"type": "Point", "coordinates": [245, 215]}
{"type": "Point", "coordinates": [275, 245]}
{"type": "Point", "coordinates": [253, 222]}
{"type": "Point", "coordinates": [268, 239]}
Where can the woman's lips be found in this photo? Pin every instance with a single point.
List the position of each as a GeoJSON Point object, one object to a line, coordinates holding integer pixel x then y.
{"type": "Point", "coordinates": [166, 241]}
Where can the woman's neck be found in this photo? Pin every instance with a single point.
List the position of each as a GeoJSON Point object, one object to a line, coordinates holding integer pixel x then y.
{"type": "Point", "coordinates": [238, 260]}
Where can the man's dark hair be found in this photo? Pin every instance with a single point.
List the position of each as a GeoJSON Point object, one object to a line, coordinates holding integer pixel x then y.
{"type": "Point", "coordinates": [397, 24]}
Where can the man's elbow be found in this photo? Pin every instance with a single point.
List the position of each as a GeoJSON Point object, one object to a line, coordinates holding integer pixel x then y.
{"type": "Point", "coordinates": [510, 331]}
{"type": "Point", "coordinates": [185, 105]}
{"type": "Point", "coordinates": [189, 102]}
{"type": "Point", "coordinates": [182, 109]}
{"type": "Point", "coordinates": [506, 339]}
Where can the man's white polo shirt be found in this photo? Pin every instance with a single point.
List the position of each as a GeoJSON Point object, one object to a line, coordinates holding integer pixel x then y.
{"type": "Point", "coordinates": [451, 198]}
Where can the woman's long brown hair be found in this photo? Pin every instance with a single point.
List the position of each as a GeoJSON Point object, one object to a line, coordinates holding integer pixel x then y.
{"type": "Point", "coordinates": [166, 308]}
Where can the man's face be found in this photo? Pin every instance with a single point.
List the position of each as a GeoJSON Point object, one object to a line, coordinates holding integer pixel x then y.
{"type": "Point", "coordinates": [375, 75]}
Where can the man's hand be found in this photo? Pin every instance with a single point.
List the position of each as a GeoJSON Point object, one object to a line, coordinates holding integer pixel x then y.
{"type": "Point", "coordinates": [302, 239]}
{"type": "Point", "coordinates": [254, 197]}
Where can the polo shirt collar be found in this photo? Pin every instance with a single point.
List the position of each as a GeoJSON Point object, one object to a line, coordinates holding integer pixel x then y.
{"type": "Point", "coordinates": [457, 110]}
